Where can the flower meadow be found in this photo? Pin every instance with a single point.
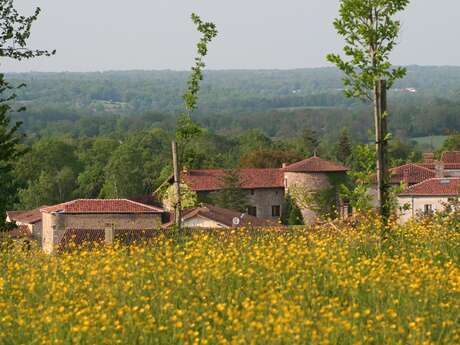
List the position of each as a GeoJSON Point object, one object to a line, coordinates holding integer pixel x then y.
{"type": "Point", "coordinates": [321, 286]}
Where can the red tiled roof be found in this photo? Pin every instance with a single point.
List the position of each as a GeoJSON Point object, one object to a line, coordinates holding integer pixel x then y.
{"type": "Point", "coordinates": [211, 179]}
{"type": "Point", "coordinates": [447, 166]}
{"type": "Point", "coordinates": [452, 157]}
{"type": "Point", "coordinates": [102, 206]}
{"type": "Point", "coordinates": [411, 173]}
{"type": "Point", "coordinates": [435, 187]}
{"type": "Point", "coordinates": [224, 216]}
{"type": "Point", "coordinates": [315, 164]}
{"type": "Point", "coordinates": [27, 217]}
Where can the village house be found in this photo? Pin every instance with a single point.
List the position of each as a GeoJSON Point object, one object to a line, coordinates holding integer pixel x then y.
{"type": "Point", "coordinates": [213, 217]}
{"type": "Point", "coordinates": [95, 219]}
{"type": "Point", "coordinates": [428, 197]}
{"type": "Point", "coordinates": [266, 189]}
{"type": "Point", "coordinates": [29, 223]}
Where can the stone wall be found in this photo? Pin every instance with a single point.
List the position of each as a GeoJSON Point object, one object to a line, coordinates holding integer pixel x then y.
{"type": "Point", "coordinates": [304, 183]}
{"type": "Point", "coordinates": [56, 224]}
{"type": "Point", "coordinates": [417, 206]}
{"type": "Point", "coordinates": [264, 199]}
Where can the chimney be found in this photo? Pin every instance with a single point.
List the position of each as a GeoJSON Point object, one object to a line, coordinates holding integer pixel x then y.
{"type": "Point", "coordinates": [428, 157]}
{"type": "Point", "coordinates": [439, 168]}
{"type": "Point", "coordinates": [284, 165]}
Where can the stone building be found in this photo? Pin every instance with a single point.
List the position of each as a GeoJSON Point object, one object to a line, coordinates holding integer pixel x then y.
{"type": "Point", "coordinates": [95, 215]}
{"type": "Point", "coordinates": [29, 222]}
{"type": "Point", "coordinates": [266, 189]}
{"type": "Point", "coordinates": [212, 217]}
{"type": "Point", "coordinates": [428, 197]}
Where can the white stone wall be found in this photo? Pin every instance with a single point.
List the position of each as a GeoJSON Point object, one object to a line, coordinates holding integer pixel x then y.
{"type": "Point", "coordinates": [201, 222]}
{"type": "Point", "coordinates": [416, 205]}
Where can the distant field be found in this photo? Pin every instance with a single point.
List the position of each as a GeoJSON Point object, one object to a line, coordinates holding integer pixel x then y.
{"type": "Point", "coordinates": [240, 287]}
{"type": "Point", "coordinates": [434, 142]}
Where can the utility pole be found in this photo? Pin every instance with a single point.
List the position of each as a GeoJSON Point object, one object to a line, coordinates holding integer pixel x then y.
{"type": "Point", "coordinates": [178, 211]}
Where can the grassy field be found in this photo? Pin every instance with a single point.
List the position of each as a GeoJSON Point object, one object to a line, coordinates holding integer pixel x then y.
{"type": "Point", "coordinates": [320, 287]}
{"type": "Point", "coordinates": [434, 142]}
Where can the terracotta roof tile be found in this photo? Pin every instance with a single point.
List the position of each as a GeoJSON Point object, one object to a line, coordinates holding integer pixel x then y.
{"type": "Point", "coordinates": [211, 179]}
{"type": "Point", "coordinates": [27, 217]}
{"type": "Point", "coordinates": [411, 173]}
{"type": "Point", "coordinates": [102, 206]}
{"type": "Point", "coordinates": [451, 157]}
{"type": "Point", "coordinates": [315, 164]}
{"type": "Point", "coordinates": [435, 187]}
{"type": "Point", "coordinates": [225, 217]}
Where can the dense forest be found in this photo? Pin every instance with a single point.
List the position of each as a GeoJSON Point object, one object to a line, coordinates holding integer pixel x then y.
{"type": "Point", "coordinates": [108, 134]}
{"type": "Point", "coordinates": [280, 103]}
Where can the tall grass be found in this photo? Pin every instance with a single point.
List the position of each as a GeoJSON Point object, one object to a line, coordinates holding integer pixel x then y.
{"type": "Point", "coordinates": [240, 287]}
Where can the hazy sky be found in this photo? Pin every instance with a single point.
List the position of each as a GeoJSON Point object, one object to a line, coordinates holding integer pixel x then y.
{"type": "Point", "coordinates": [93, 35]}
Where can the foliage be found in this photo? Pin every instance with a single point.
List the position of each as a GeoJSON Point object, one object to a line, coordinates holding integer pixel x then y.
{"type": "Point", "coordinates": [269, 158]}
{"type": "Point", "coordinates": [452, 143]}
{"type": "Point", "coordinates": [310, 141]}
{"type": "Point", "coordinates": [370, 33]}
{"type": "Point", "coordinates": [231, 195]}
{"type": "Point", "coordinates": [244, 287]}
{"type": "Point", "coordinates": [15, 31]}
{"type": "Point", "coordinates": [186, 128]}
{"type": "Point", "coordinates": [344, 147]}
{"type": "Point", "coordinates": [362, 167]}
{"type": "Point", "coordinates": [291, 214]}
{"type": "Point", "coordinates": [188, 197]}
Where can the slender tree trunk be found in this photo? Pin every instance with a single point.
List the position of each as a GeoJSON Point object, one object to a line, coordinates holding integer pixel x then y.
{"type": "Point", "coordinates": [381, 139]}
{"type": "Point", "coordinates": [178, 210]}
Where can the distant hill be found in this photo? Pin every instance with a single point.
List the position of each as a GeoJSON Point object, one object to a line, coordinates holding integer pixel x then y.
{"type": "Point", "coordinates": [424, 103]}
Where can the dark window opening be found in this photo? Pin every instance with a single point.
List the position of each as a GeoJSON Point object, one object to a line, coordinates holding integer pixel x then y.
{"type": "Point", "coordinates": [252, 211]}
{"type": "Point", "coordinates": [428, 209]}
{"type": "Point", "coordinates": [276, 211]}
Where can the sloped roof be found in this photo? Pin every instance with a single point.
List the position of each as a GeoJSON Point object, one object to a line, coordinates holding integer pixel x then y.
{"type": "Point", "coordinates": [315, 164]}
{"type": "Point", "coordinates": [412, 172]}
{"type": "Point", "coordinates": [224, 216]}
{"type": "Point", "coordinates": [452, 157]}
{"type": "Point", "coordinates": [446, 166]}
{"type": "Point", "coordinates": [20, 232]}
{"type": "Point", "coordinates": [211, 179]}
{"type": "Point", "coordinates": [435, 187]}
{"type": "Point", "coordinates": [27, 217]}
{"type": "Point", "coordinates": [102, 206]}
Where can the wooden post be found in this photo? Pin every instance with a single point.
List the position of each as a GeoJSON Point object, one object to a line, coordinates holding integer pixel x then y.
{"type": "Point", "coordinates": [178, 211]}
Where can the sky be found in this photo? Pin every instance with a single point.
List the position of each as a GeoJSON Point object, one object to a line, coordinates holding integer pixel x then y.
{"type": "Point", "coordinates": [99, 35]}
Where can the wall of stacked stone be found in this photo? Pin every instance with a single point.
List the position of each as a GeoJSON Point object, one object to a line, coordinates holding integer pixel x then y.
{"type": "Point", "coordinates": [308, 182]}
{"type": "Point", "coordinates": [55, 225]}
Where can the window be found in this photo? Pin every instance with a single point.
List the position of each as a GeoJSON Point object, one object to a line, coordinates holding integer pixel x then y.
{"type": "Point", "coordinates": [276, 210]}
{"type": "Point", "coordinates": [252, 211]}
{"type": "Point", "coordinates": [428, 209]}
{"type": "Point", "coordinates": [253, 192]}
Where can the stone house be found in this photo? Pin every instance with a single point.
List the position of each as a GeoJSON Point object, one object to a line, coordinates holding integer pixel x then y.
{"type": "Point", "coordinates": [213, 217]}
{"type": "Point", "coordinates": [266, 189]}
{"type": "Point", "coordinates": [95, 216]}
{"type": "Point", "coordinates": [29, 222]}
{"type": "Point", "coordinates": [427, 197]}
